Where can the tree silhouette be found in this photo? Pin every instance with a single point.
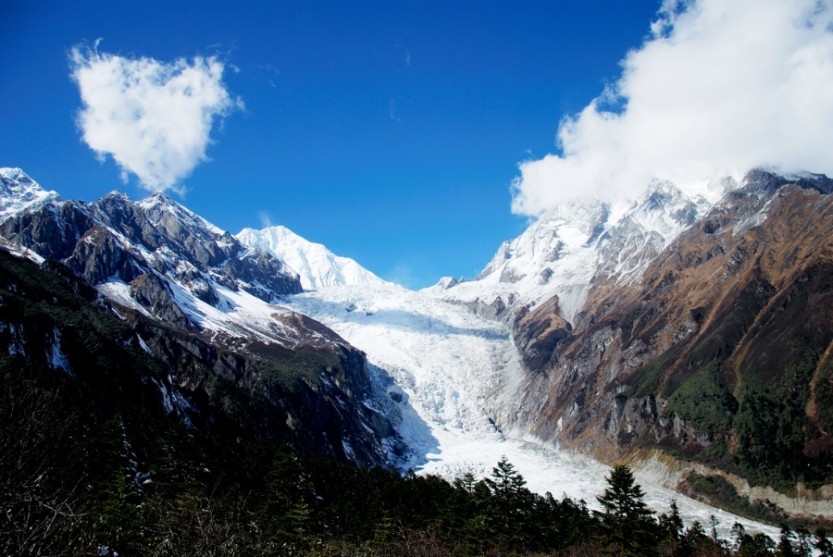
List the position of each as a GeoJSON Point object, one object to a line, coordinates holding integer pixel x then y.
{"type": "Point", "coordinates": [627, 522]}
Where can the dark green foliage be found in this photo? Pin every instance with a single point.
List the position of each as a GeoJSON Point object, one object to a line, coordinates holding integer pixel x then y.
{"type": "Point", "coordinates": [671, 523]}
{"type": "Point", "coordinates": [770, 427]}
{"type": "Point", "coordinates": [696, 542]}
{"type": "Point", "coordinates": [158, 490]}
{"type": "Point", "coordinates": [41, 467]}
{"type": "Point", "coordinates": [509, 502]}
{"type": "Point", "coordinates": [720, 493]}
{"type": "Point", "coordinates": [704, 402]}
{"type": "Point", "coordinates": [627, 522]}
{"type": "Point", "coordinates": [758, 545]}
{"type": "Point", "coordinates": [795, 544]}
{"type": "Point", "coordinates": [777, 444]}
{"type": "Point", "coordinates": [291, 369]}
{"type": "Point", "coordinates": [824, 397]}
{"type": "Point", "coordinates": [822, 544]}
{"type": "Point", "coordinates": [650, 375]}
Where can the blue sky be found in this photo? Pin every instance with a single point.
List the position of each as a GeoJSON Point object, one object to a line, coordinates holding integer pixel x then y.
{"type": "Point", "coordinates": [390, 132]}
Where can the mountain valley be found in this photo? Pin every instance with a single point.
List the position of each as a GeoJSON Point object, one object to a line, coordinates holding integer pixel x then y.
{"type": "Point", "coordinates": [680, 332]}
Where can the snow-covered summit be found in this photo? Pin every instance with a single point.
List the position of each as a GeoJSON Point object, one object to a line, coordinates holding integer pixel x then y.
{"type": "Point", "coordinates": [18, 192]}
{"type": "Point", "coordinates": [645, 228]}
{"type": "Point", "coordinates": [554, 255]}
{"type": "Point", "coordinates": [317, 266]}
{"type": "Point", "coordinates": [562, 252]}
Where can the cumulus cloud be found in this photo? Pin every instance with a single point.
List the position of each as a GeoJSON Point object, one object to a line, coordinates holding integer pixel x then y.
{"type": "Point", "coordinates": [717, 87]}
{"type": "Point", "coordinates": [153, 118]}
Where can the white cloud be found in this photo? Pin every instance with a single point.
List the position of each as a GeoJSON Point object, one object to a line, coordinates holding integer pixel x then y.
{"type": "Point", "coordinates": [719, 87]}
{"type": "Point", "coordinates": [153, 118]}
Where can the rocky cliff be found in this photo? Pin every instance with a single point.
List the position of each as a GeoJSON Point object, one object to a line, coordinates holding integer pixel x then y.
{"type": "Point", "coordinates": [719, 352]}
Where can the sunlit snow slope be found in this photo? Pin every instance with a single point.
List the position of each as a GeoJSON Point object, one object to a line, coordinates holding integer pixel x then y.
{"type": "Point", "coordinates": [18, 192]}
{"type": "Point", "coordinates": [316, 266]}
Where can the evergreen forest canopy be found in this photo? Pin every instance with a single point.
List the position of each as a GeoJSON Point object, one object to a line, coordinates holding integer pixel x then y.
{"type": "Point", "coordinates": [76, 479]}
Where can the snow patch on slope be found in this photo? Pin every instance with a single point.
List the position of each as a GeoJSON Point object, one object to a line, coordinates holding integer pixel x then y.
{"type": "Point", "coordinates": [56, 357]}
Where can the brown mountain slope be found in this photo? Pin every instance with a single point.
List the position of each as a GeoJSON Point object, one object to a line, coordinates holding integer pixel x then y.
{"type": "Point", "coordinates": [722, 352]}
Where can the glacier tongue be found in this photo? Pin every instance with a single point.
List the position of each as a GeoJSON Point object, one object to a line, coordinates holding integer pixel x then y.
{"type": "Point", "coordinates": [454, 377]}
{"type": "Point", "coordinates": [451, 364]}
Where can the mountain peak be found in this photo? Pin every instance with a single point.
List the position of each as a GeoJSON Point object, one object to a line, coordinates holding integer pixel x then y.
{"type": "Point", "coordinates": [769, 179]}
{"type": "Point", "coordinates": [116, 194]}
{"type": "Point", "coordinates": [13, 173]}
{"type": "Point", "coordinates": [158, 199]}
{"type": "Point", "coordinates": [159, 206]}
{"type": "Point", "coordinates": [317, 266]}
{"type": "Point", "coordinates": [18, 192]}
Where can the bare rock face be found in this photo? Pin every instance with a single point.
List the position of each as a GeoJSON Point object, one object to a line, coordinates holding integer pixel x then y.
{"type": "Point", "coordinates": [258, 273]}
{"type": "Point", "coordinates": [154, 294]}
{"type": "Point", "coordinates": [51, 229]}
{"type": "Point", "coordinates": [537, 334]}
{"type": "Point", "coordinates": [147, 245]}
{"type": "Point", "coordinates": [728, 331]}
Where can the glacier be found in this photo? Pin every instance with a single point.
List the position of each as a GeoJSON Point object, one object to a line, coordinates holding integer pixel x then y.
{"type": "Point", "coordinates": [457, 371]}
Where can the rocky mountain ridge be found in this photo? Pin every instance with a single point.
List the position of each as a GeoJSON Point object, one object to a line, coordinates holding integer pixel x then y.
{"type": "Point", "coordinates": [203, 303]}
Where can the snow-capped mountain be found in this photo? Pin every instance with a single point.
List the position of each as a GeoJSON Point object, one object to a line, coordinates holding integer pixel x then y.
{"type": "Point", "coordinates": [215, 300]}
{"type": "Point", "coordinates": [465, 374]}
{"type": "Point", "coordinates": [154, 256]}
{"type": "Point", "coordinates": [709, 346]}
{"type": "Point", "coordinates": [316, 266]}
{"type": "Point", "coordinates": [19, 192]}
{"type": "Point", "coordinates": [517, 362]}
{"type": "Point", "coordinates": [565, 250]}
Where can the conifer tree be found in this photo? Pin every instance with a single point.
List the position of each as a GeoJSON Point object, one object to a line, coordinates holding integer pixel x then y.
{"type": "Point", "coordinates": [623, 498]}
{"type": "Point", "coordinates": [627, 521]}
{"type": "Point", "coordinates": [786, 543]}
{"type": "Point", "coordinates": [510, 499]}
{"type": "Point", "coordinates": [672, 523]}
